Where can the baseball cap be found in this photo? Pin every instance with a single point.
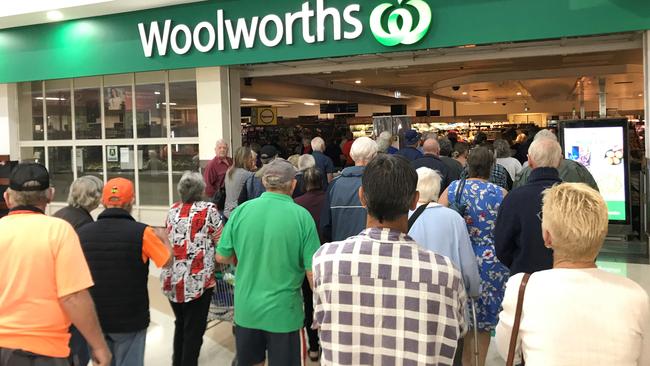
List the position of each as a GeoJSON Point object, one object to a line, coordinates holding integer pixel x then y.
{"type": "Point", "coordinates": [117, 192]}
{"type": "Point", "coordinates": [412, 137]}
{"type": "Point", "coordinates": [281, 169]}
{"type": "Point", "coordinates": [29, 172]}
{"type": "Point", "coordinates": [268, 151]}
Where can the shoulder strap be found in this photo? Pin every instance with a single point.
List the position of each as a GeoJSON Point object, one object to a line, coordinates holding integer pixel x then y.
{"type": "Point", "coordinates": [459, 192]}
{"type": "Point", "coordinates": [416, 214]}
{"type": "Point", "coordinates": [515, 327]}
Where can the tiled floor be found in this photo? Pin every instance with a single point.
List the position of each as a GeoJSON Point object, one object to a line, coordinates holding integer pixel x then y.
{"type": "Point", "coordinates": [218, 344]}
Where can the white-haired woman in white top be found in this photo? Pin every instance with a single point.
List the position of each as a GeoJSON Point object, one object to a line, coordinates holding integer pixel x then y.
{"type": "Point", "coordinates": [575, 313]}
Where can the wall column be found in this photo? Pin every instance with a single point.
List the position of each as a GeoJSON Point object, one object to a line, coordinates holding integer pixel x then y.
{"type": "Point", "coordinates": [218, 104]}
{"type": "Point", "coordinates": [646, 100]}
{"type": "Point", "coordinates": [9, 121]}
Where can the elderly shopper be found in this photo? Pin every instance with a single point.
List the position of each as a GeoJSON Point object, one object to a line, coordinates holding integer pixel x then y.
{"type": "Point", "coordinates": [478, 201]}
{"type": "Point", "coordinates": [431, 160]}
{"type": "Point", "coordinates": [274, 241]}
{"type": "Point", "coordinates": [118, 250]}
{"type": "Point", "coordinates": [215, 172]}
{"type": "Point", "coordinates": [504, 158]}
{"type": "Point", "coordinates": [344, 216]}
{"type": "Point", "coordinates": [411, 143]}
{"type": "Point", "coordinates": [323, 162]}
{"type": "Point", "coordinates": [194, 228]}
{"type": "Point", "coordinates": [84, 197]}
{"type": "Point", "coordinates": [379, 297]}
{"type": "Point", "coordinates": [243, 167]}
{"type": "Point", "coordinates": [253, 186]}
{"type": "Point", "coordinates": [518, 235]}
{"type": "Point", "coordinates": [385, 143]}
{"type": "Point", "coordinates": [576, 314]}
{"type": "Point", "coordinates": [570, 171]}
{"type": "Point", "coordinates": [44, 279]}
{"type": "Point", "coordinates": [442, 230]}
{"type": "Point", "coordinates": [313, 201]}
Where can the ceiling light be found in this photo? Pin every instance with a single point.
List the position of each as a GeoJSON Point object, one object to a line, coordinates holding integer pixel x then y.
{"type": "Point", "coordinates": [310, 104]}
{"type": "Point", "coordinates": [157, 92]}
{"type": "Point", "coordinates": [519, 93]}
{"type": "Point", "coordinates": [464, 93]}
{"type": "Point", "coordinates": [172, 103]}
{"type": "Point", "coordinates": [50, 98]}
{"type": "Point", "coordinates": [248, 100]}
{"type": "Point", "coordinates": [495, 102]}
{"type": "Point", "coordinates": [54, 15]}
{"type": "Point", "coordinates": [398, 94]}
{"type": "Point", "coordinates": [640, 94]}
{"type": "Point", "coordinates": [357, 81]}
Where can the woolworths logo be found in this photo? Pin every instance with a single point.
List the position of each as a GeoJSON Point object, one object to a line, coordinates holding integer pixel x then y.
{"type": "Point", "coordinates": [314, 24]}
{"type": "Point", "coordinates": [404, 33]}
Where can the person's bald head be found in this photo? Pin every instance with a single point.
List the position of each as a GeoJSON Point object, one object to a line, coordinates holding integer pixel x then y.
{"type": "Point", "coordinates": [431, 146]}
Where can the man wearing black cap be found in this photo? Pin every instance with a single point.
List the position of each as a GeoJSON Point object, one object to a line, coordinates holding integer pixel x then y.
{"type": "Point", "coordinates": [44, 279]}
{"type": "Point", "coordinates": [410, 151]}
{"type": "Point", "coordinates": [253, 187]}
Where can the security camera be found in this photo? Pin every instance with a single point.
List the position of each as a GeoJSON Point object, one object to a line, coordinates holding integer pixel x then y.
{"type": "Point", "coordinates": [456, 88]}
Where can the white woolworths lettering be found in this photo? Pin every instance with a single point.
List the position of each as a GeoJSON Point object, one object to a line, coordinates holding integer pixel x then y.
{"type": "Point", "coordinates": [248, 32]}
{"type": "Point", "coordinates": [188, 39]}
{"type": "Point", "coordinates": [197, 37]}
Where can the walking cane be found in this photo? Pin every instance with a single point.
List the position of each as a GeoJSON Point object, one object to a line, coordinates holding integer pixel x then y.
{"type": "Point", "coordinates": [476, 353]}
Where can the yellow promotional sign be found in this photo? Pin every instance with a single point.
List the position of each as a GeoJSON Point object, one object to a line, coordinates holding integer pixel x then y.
{"type": "Point", "coordinates": [265, 116]}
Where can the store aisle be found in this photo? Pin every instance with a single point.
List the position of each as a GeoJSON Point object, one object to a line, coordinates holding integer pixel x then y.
{"type": "Point", "coordinates": [218, 343]}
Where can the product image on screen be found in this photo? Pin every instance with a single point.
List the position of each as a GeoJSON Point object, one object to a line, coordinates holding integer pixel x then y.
{"type": "Point", "coordinates": [601, 150]}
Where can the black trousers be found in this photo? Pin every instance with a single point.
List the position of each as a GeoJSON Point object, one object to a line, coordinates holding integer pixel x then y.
{"type": "Point", "coordinates": [12, 357]}
{"type": "Point", "coordinates": [190, 324]}
{"type": "Point", "coordinates": [308, 297]}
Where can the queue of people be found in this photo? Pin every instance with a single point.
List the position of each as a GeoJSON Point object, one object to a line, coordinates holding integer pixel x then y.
{"type": "Point", "coordinates": [374, 266]}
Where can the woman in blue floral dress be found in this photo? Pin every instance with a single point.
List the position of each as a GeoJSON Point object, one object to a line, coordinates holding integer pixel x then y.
{"type": "Point", "coordinates": [479, 204]}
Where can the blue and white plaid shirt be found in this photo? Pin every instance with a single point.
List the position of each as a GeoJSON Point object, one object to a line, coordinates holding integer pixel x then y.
{"type": "Point", "coordinates": [380, 299]}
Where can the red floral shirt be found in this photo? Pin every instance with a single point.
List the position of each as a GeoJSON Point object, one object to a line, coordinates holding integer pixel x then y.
{"type": "Point", "coordinates": [194, 230]}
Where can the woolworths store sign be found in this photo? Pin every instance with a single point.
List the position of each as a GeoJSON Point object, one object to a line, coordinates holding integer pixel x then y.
{"type": "Point", "coordinates": [236, 32]}
{"type": "Point", "coordinates": [391, 24]}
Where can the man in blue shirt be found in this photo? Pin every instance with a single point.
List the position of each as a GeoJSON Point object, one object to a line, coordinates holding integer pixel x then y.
{"type": "Point", "coordinates": [410, 151]}
{"type": "Point", "coordinates": [323, 162]}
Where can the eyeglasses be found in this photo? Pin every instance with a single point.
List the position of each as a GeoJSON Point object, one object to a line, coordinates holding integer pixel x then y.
{"type": "Point", "coordinates": [540, 215]}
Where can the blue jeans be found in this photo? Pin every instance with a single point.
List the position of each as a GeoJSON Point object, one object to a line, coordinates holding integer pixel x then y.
{"type": "Point", "coordinates": [127, 348]}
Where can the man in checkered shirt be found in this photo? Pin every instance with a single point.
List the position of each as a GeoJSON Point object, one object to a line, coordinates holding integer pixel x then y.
{"type": "Point", "coordinates": [379, 298]}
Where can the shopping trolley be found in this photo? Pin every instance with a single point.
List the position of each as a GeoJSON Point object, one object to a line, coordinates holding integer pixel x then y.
{"type": "Point", "coordinates": [222, 306]}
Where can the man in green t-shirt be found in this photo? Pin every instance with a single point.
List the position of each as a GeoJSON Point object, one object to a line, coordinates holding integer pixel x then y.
{"type": "Point", "coordinates": [274, 241]}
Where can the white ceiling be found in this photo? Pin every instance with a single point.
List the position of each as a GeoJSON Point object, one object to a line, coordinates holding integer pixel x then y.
{"type": "Point", "coordinates": [18, 13]}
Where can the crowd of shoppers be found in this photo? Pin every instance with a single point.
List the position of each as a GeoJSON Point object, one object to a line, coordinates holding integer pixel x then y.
{"type": "Point", "coordinates": [375, 265]}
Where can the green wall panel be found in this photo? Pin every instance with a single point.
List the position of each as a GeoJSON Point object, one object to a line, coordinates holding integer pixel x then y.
{"type": "Point", "coordinates": [111, 44]}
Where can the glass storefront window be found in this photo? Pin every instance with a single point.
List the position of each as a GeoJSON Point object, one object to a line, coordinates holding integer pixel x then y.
{"type": "Point", "coordinates": [154, 183]}
{"type": "Point", "coordinates": [87, 108]}
{"type": "Point", "coordinates": [184, 158]}
{"type": "Point", "coordinates": [30, 105]}
{"type": "Point", "coordinates": [151, 107]}
{"type": "Point", "coordinates": [89, 161]}
{"type": "Point", "coordinates": [32, 155]}
{"type": "Point", "coordinates": [182, 103]}
{"type": "Point", "coordinates": [58, 109]}
{"type": "Point", "coordinates": [118, 106]}
{"type": "Point", "coordinates": [60, 168]}
{"type": "Point", "coordinates": [120, 162]}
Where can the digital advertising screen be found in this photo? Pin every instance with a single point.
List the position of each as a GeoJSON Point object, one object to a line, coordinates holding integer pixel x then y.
{"type": "Point", "coordinates": [601, 146]}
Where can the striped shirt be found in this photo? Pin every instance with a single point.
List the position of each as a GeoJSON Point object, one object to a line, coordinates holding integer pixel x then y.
{"type": "Point", "coordinates": [380, 299]}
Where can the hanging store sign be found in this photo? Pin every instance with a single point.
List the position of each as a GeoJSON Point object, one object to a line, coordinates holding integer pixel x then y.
{"type": "Point", "coordinates": [236, 32]}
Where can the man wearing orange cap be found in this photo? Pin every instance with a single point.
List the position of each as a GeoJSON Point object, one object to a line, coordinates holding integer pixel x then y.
{"type": "Point", "coordinates": [118, 250]}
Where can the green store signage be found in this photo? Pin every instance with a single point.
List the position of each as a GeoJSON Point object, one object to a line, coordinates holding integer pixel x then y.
{"type": "Point", "coordinates": [236, 32]}
{"type": "Point", "coordinates": [272, 30]}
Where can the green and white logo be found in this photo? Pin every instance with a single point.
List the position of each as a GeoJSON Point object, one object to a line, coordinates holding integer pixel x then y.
{"type": "Point", "coordinates": [404, 34]}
